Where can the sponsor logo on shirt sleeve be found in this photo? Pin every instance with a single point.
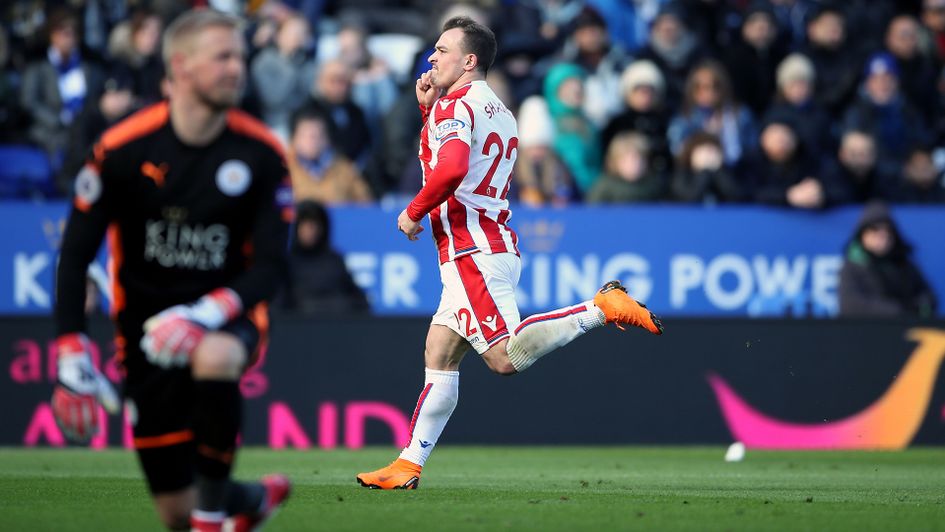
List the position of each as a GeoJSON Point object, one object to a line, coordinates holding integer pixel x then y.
{"type": "Point", "coordinates": [445, 128]}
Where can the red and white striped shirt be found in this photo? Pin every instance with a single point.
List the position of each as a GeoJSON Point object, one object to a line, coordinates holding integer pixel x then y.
{"type": "Point", "coordinates": [468, 147]}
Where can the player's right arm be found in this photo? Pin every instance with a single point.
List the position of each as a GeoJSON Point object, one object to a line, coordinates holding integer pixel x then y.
{"type": "Point", "coordinates": [80, 387]}
{"type": "Point", "coordinates": [452, 165]}
{"type": "Point", "coordinates": [451, 127]}
{"type": "Point", "coordinates": [85, 228]}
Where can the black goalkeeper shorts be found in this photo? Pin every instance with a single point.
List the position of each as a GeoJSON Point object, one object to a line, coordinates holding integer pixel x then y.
{"type": "Point", "coordinates": [160, 404]}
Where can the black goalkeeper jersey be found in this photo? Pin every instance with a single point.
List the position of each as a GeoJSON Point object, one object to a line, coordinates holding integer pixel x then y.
{"type": "Point", "coordinates": [181, 220]}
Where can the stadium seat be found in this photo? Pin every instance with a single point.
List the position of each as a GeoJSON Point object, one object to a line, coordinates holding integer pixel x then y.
{"type": "Point", "coordinates": [326, 48]}
{"type": "Point", "coordinates": [397, 50]}
{"type": "Point", "coordinates": [25, 172]}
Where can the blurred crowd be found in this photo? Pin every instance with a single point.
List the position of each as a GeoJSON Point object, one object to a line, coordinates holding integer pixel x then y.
{"type": "Point", "coordinates": [799, 103]}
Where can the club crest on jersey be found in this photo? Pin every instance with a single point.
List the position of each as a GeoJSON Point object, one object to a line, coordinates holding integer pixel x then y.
{"type": "Point", "coordinates": [88, 186]}
{"type": "Point", "coordinates": [233, 177]}
{"type": "Point", "coordinates": [446, 127]}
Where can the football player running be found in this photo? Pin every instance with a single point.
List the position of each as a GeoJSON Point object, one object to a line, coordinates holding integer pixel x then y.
{"type": "Point", "coordinates": [468, 146]}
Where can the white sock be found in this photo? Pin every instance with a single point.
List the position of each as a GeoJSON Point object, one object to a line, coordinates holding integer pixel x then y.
{"type": "Point", "coordinates": [541, 334]}
{"type": "Point", "coordinates": [437, 401]}
{"type": "Point", "coordinates": [207, 517]}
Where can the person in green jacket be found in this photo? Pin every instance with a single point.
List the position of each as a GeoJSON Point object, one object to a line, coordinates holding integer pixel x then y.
{"type": "Point", "coordinates": [577, 140]}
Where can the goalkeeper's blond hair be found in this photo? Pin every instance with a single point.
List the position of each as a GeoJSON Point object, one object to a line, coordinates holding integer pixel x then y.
{"type": "Point", "coordinates": [179, 35]}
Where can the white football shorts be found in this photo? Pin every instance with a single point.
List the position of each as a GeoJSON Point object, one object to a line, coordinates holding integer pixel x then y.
{"type": "Point", "coordinates": [478, 299]}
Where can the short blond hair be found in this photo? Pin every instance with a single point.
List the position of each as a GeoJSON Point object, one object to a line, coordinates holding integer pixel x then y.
{"type": "Point", "coordinates": [622, 143]}
{"type": "Point", "coordinates": [178, 35]}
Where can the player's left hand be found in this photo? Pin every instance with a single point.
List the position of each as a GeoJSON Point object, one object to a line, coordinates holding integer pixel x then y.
{"type": "Point", "coordinates": [172, 335]}
{"type": "Point", "coordinates": [408, 226]}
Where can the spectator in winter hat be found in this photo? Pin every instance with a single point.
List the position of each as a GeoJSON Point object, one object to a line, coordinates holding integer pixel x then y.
{"type": "Point", "coordinates": [878, 277]}
{"type": "Point", "coordinates": [540, 178]}
{"type": "Point", "coordinates": [795, 104]}
{"type": "Point", "coordinates": [577, 140]}
{"type": "Point", "coordinates": [317, 282]}
{"type": "Point", "coordinates": [882, 111]}
{"type": "Point", "coordinates": [643, 88]}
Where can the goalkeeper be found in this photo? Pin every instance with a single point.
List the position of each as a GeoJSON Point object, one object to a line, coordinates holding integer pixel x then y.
{"type": "Point", "coordinates": [190, 193]}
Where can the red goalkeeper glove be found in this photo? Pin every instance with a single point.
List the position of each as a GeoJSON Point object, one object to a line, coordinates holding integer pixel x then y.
{"type": "Point", "coordinates": [171, 336]}
{"type": "Point", "coordinates": [80, 388]}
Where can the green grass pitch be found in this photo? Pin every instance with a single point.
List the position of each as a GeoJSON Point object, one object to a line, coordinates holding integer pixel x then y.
{"type": "Point", "coordinates": [515, 488]}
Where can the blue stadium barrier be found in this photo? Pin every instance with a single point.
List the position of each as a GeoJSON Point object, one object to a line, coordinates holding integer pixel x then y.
{"type": "Point", "coordinates": [25, 172]}
{"type": "Point", "coordinates": [683, 261]}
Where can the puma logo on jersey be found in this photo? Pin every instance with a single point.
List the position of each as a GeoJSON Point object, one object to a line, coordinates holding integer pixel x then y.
{"type": "Point", "coordinates": [155, 172]}
{"type": "Point", "coordinates": [490, 322]}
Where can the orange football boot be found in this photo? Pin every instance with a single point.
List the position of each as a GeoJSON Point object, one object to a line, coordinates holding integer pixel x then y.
{"type": "Point", "coordinates": [621, 309]}
{"type": "Point", "coordinates": [400, 475]}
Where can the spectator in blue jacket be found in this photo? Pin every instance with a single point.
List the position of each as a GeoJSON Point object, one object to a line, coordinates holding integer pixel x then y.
{"type": "Point", "coordinates": [57, 89]}
{"type": "Point", "coordinates": [710, 106]}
